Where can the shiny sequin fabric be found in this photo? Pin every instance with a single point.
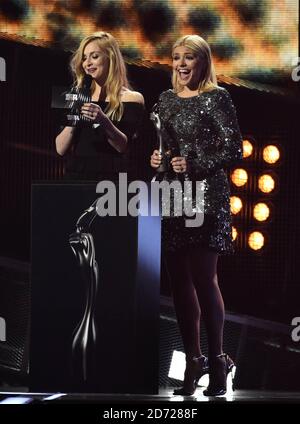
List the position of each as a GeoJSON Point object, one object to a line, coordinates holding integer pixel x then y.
{"type": "Point", "coordinates": [204, 129]}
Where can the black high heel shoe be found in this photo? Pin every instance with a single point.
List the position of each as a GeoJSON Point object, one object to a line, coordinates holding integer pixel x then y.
{"type": "Point", "coordinates": [195, 369]}
{"type": "Point", "coordinates": [219, 368]}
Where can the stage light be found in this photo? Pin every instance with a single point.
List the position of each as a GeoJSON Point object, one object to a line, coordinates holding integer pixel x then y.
{"type": "Point", "coordinates": [16, 400]}
{"type": "Point", "coordinates": [247, 148]}
{"type": "Point", "coordinates": [235, 204]}
{"type": "Point", "coordinates": [256, 240]}
{"type": "Point", "coordinates": [271, 154]}
{"type": "Point", "coordinates": [239, 177]}
{"type": "Point", "coordinates": [266, 183]}
{"type": "Point", "coordinates": [261, 211]}
{"type": "Point", "coordinates": [234, 233]}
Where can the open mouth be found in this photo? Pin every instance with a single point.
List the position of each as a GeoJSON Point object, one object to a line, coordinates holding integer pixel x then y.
{"type": "Point", "coordinates": [91, 70]}
{"type": "Point", "coordinates": [184, 74]}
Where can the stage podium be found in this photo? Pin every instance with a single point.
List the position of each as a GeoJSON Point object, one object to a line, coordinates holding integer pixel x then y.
{"type": "Point", "coordinates": [124, 357]}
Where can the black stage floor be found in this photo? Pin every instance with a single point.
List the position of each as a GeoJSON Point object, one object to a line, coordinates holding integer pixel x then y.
{"type": "Point", "coordinates": [165, 396]}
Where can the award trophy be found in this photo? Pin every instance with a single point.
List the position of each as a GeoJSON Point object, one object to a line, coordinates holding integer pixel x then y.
{"type": "Point", "coordinates": [154, 116]}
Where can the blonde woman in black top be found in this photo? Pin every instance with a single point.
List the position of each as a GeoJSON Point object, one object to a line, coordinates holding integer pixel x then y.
{"type": "Point", "coordinates": [115, 111]}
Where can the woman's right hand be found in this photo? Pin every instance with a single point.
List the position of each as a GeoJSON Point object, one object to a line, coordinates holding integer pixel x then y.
{"type": "Point", "coordinates": [64, 139]}
{"type": "Point", "coordinates": [156, 159]}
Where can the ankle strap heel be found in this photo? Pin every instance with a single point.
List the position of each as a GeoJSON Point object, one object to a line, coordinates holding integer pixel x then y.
{"type": "Point", "coordinates": [220, 367]}
{"type": "Point", "coordinates": [196, 367]}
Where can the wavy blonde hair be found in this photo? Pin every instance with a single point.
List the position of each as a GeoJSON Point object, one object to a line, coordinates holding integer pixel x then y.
{"type": "Point", "coordinates": [117, 75]}
{"type": "Point", "coordinates": [208, 78]}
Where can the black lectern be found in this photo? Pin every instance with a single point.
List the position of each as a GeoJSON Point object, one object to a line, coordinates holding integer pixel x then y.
{"type": "Point", "coordinates": [123, 357]}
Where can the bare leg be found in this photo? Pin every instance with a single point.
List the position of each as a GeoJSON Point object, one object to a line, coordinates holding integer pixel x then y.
{"type": "Point", "coordinates": [203, 268]}
{"type": "Point", "coordinates": [186, 302]}
{"type": "Point", "coordinates": [188, 318]}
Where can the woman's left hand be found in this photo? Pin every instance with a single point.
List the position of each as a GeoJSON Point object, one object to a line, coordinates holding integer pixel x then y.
{"type": "Point", "coordinates": [179, 164]}
{"type": "Point", "coordinates": [93, 112]}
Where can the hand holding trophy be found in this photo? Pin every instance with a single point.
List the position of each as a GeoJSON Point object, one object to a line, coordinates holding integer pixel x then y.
{"type": "Point", "coordinates": [161, 163]}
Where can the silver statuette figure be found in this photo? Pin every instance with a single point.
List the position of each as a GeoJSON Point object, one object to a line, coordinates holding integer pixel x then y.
{"type": "Point", "coordinates": [154, 116]}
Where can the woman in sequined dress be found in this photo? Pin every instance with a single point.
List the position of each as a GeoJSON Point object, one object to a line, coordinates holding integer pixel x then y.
{"type": "Point", "coordinates": [199, 125]}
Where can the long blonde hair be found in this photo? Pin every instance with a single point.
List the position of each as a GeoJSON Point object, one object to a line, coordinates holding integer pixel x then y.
{"type": "Point", "coordinates": [200, 47]}
{"type": "Point", "coordinates": [117, 75]}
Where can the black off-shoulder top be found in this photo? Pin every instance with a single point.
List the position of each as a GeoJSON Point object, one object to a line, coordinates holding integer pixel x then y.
{"type": "Point", "coordinates": [93, 158]}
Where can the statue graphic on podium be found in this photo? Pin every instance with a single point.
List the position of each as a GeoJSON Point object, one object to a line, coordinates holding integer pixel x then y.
{"type": "Point", "coordinates": [85, 334]}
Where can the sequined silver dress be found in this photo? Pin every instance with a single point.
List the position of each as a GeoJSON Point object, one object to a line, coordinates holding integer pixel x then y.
{"type": "Point", "coordinates": [203, 129]}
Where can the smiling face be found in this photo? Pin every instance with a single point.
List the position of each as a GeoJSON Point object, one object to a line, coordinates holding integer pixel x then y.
{"type": "Point", "coordinates": [187, 66]}
{"type": "Point", "coordinates": [95, 62]}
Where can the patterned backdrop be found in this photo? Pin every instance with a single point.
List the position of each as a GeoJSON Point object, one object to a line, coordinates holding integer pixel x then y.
{"type": "Point", "coordinates": [253, 39]}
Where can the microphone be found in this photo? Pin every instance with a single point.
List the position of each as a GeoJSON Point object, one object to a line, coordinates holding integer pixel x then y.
{"type": "Point", "coordinates": [80, 96]}
{"type": "Point", "coordinates": [86, 87]}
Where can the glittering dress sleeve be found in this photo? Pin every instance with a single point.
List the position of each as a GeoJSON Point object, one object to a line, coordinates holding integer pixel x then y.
{"type": "Point", "coordinates": [166, 113]}
{"type": "Point", "coordinates": [228, 140]}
